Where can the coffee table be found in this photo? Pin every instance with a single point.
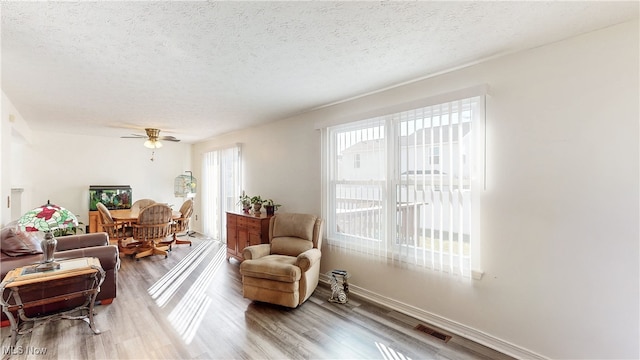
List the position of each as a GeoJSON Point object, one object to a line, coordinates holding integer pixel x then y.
{"type": "Point", "coordinates": [76, 278]}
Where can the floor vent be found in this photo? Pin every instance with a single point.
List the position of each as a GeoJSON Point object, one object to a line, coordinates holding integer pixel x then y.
{"type": "Point", "coordinates": [433, 332]}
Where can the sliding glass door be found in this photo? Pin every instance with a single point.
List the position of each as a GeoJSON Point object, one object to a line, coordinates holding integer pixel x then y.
{"type": "Point", "coordinates": [221, 173]}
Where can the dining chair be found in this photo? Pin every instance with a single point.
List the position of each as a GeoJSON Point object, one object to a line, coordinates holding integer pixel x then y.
{"type": "Point", "coordinates": [119, 231]}
{"type": "Point", "coordinates": [152, 227]}
{"type": "Point", "coordinates": [182, 223]}
{"type": "Point", "coordinates": [141, 204]}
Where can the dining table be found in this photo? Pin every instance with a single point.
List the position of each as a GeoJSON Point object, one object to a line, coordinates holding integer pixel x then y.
{"type": "Point", "coordinates": [131, 216]}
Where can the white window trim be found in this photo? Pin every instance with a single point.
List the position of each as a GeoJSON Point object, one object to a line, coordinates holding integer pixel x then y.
{"type": "Point", "coordinates": [471, 91]}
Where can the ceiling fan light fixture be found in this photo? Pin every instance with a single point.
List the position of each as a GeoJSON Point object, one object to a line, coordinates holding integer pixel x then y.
{"type": "Point", "coordinates": [153, 138]}
{"type": "Point", "coordinates": [153, 144]}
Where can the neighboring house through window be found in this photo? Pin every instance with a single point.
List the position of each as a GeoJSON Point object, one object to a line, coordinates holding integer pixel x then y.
{"type": "Point", "coordinates": [434, 154]}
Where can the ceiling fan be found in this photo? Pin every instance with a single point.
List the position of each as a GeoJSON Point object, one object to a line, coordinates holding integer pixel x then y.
{"type": "Point", "coordinates": [153, 138]}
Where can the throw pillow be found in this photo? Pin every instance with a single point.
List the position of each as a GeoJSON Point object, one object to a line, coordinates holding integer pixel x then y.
{"type": "Point", "coordinates": [14, 242]}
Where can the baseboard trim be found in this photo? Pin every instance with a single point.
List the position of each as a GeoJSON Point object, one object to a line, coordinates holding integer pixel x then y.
{"type": "Point", "coordinates": [454, 327]}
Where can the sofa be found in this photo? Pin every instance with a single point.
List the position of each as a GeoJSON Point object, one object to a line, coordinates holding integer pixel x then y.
{"type": "Point", "coordinates": [19, 248]}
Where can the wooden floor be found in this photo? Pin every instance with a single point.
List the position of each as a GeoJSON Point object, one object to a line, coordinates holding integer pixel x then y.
{"type": "Point", "coordinates": [190, 306]}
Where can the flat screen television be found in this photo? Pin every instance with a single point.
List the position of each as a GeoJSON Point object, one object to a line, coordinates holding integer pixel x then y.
{"type": "Point", "coordinates": [114, 197]}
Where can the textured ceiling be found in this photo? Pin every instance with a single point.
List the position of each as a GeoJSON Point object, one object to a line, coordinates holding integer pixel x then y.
{"type": "Point", "coordinates": [198, 69]}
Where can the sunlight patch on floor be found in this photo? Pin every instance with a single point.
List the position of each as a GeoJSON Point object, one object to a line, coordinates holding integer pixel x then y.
{"type": "Point", "coordinates": [189, 312]}
{"type": "Point", "coordinates": [163, 289]}
{"type": "Point", "coordinates": [390, 354]}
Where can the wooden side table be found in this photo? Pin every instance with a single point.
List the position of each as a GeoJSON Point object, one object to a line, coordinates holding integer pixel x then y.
{"type": "Point", "coordinates": [77, 278]}
{"type": "Point", "coordinates": [244, 230]}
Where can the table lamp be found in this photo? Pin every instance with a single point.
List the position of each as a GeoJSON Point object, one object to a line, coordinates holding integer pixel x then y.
{"type": "Point", "coordinates": [47, 218]}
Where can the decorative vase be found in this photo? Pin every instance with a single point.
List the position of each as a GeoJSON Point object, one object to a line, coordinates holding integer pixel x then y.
{"type": "Point", "coordinates": [256, 208]}
{"type": "Point", "coordinates": [271, 209]}
{"type": "Point", "coordinates": [48, 244]}
{"type": "Point", "coordinates": [246, 207]}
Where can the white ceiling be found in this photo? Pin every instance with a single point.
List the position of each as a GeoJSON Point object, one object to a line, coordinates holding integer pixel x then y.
{"type": "Point", "coordinates": [199, 69]}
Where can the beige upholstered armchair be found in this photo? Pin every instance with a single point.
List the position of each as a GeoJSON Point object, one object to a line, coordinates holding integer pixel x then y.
{"type": "Point", "coordinates": [285, 271]}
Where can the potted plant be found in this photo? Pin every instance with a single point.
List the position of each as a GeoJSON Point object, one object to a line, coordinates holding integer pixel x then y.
{"type": "Point", "coordinates": [245, 201]}
{"type": "Point", "coordinates": [270, 206]}
{"type": "Point", "coordinates": [256, 201]}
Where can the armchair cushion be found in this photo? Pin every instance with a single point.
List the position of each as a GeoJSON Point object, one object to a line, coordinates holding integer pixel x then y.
{"type": "Point", "coordinates": [273, 267]}
{"type": "Point", "coordinates": [293, 225]}
{"type": "Point", "coordinates": [292, 246]}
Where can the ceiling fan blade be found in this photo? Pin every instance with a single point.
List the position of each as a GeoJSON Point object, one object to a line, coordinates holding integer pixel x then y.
{"type": "Point", "coordinates": [152, 134]}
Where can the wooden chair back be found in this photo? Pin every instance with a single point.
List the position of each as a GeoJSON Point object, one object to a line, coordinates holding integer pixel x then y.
{"type": "Point", "coordinates": [182, 223]}
{"type": "Point", "coordinates": [154, 222]}
{"type": "Point", "coordinates": [108, 225]}
{"type": "Point", "coordinates": [141, 204]}
{"type": "Point", "coordinates": [116, 230]}
{"type": "Point", "coordinates": [105, 214]}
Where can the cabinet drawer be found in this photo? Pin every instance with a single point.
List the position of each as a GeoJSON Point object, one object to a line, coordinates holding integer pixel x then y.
{"type": "Point", "coordinates": [254, 226]}
{"type": "Point", "coordinates": [242, 221]}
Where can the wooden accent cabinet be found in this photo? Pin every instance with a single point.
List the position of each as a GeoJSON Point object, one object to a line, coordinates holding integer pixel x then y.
{"type": "Point", "coordinates": [94, 221]}
{"type": "Point", "coordinates": [244, 230]}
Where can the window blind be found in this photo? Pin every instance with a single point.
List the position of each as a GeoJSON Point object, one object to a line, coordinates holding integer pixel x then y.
{"type": "Point", "coordinates": [399, 186]}
{"type": "Point", "coordinates": [221, 171]}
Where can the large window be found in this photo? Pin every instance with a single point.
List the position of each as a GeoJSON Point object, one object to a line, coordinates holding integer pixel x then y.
{"type": "Point", "coordinates": [220, 188]}
{"type": "Point", "coordinates": [410, 199]}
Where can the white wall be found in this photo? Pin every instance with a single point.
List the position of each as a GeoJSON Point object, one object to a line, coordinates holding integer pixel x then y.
{"type": "Point", "coordinates": [13, 131]}
{"type": "Point", "coordinates": [61, 167]}
{"type": "Point", "coordinates": [5, 159]}
{"type": "Point", "coordinates": [559, 215]}
{"type": "Point", "coordinates": [265, 151]}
